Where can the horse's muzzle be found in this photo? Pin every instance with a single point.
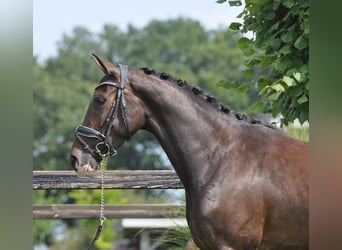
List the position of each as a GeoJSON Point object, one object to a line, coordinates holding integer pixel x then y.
{"type": "Point", "coordinates": [82, 162]}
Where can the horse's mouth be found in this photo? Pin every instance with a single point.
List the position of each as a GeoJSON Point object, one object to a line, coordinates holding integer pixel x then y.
{"type": "Point", "coordinates": [82, 168]}
{"type": "Point", "coordinates": [85, 169]}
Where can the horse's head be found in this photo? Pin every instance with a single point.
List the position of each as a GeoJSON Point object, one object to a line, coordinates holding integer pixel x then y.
{"type": "Point", "coordinates": [113, 115]}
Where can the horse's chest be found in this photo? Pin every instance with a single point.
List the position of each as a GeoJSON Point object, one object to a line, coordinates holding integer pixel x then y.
{"type": "Point", "coordinates": [215, 218]}
{"type": "Point", "coordinates": [206, 221]}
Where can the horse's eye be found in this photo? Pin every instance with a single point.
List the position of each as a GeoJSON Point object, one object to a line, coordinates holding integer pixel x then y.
{"type": "Point", "coordinates": [100, 100]}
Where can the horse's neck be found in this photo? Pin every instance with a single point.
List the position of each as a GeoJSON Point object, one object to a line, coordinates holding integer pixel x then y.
{"type": "Point", "coordinates": [189, 130]}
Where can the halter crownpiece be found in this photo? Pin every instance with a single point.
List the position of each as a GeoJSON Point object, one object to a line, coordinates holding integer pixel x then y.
{"type": "Point", "coordinates": [105, 148]}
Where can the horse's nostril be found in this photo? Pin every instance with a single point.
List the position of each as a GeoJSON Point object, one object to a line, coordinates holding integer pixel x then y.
{"type": "Point", "coordinates": [73, 161]}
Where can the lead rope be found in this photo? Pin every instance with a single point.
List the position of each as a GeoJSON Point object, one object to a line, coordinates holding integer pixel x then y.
{"type": "Point", "coordinates": [102, 217]}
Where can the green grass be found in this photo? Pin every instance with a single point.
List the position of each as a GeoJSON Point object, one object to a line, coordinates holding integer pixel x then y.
{"type": "Point", "coordinates": [298, 133]}
{"type": "Point", "coordinates": [178, 237]}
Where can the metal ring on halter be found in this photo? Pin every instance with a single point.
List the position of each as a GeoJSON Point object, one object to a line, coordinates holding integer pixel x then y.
{"type": "Point", "coordinates": [105, 151]}
{"type": "Point", "coordinates": [100, 151]}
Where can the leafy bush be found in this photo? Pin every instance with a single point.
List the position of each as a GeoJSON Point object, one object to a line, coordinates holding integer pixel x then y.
{"type": "Point", "coordinates": [277, 56]}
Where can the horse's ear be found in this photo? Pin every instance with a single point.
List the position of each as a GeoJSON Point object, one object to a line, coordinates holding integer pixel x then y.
{"type": "Point", "coordinates": [105, 66]}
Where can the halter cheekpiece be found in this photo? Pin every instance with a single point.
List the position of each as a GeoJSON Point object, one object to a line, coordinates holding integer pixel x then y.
{"type": "Point", "coordinates": [105, 148]}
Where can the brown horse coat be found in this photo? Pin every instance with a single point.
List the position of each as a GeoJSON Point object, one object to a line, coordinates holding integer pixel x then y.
{"type": "Point", "coordinates": [246, 184]}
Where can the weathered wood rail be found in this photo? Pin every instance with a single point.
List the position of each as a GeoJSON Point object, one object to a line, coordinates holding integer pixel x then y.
{"type": "Point", "coordinates": [113, 179]}
{"type": "Point", "coordinates": [71, 211]}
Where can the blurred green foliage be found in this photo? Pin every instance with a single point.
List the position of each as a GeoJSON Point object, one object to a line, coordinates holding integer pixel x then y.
{"type": "Point", "coordinates": [277, 56]}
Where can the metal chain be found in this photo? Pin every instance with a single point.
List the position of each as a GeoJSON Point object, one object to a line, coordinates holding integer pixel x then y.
{"type": "Point", "coordinates": [102, 217]}
{"type": "Point", "coordinates": [102, 202]}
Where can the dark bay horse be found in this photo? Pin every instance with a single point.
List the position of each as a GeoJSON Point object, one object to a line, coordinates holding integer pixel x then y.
{"type": "Point", "coordinates": [246, 183]}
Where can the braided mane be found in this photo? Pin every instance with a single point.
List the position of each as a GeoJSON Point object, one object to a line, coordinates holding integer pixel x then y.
{"type": "Point", "coordinates": [208, 98]}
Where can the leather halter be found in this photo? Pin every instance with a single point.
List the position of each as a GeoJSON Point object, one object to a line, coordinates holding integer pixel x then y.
{"type": "Point", "coordinates": [105, 148]}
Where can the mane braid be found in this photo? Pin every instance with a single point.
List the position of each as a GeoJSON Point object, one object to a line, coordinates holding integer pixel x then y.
{"type": "Point", "coordinates": [208, 98]}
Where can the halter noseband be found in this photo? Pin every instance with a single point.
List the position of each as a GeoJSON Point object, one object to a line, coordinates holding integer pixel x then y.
{"type": "Point", "coordinates": [105, 148]}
